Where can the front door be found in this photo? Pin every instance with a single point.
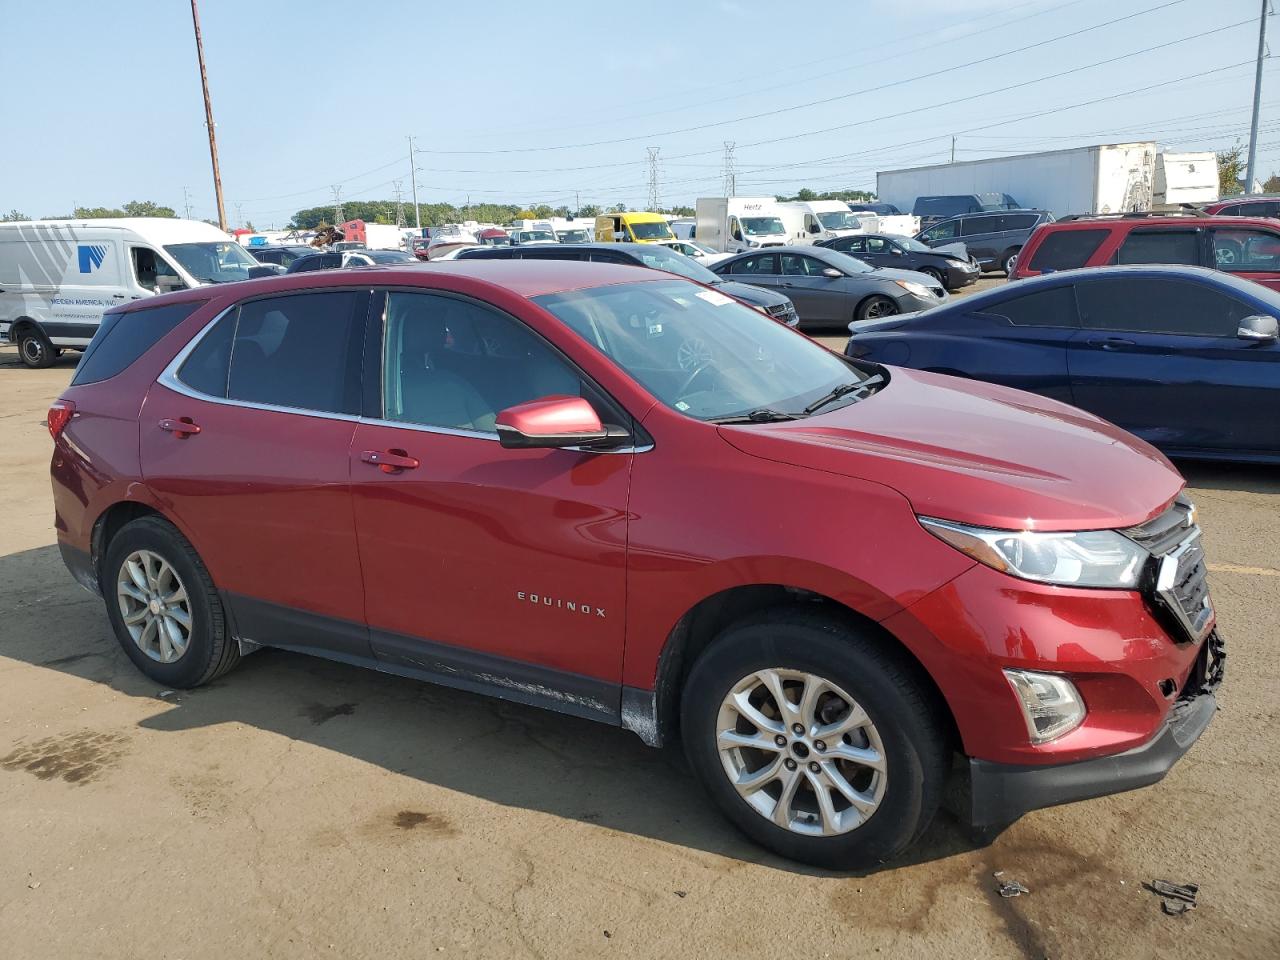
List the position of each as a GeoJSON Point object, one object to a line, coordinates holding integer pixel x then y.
{"type": "Point", "coordinates": [246, 438]}
{"type": "Point", "coordinates": [1161, 358]}
{"type": "Point", "coordinates": [818, 298]}
{"type": "Point", "coordinates": [488, 568]}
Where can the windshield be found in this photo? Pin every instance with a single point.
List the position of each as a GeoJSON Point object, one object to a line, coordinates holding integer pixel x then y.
{"type": "Point", "coordinates": [654, 230]}
{"type": "Point", "coordinates": [762, 226]}
{"type": "Point", "coordinates": [911, 243]}
{"type": "Point", "coordinates": [219, 261]}
{"type": "Point", "coordinates": [658, 257]}
{"type": "Point", "coordinates": [390, 256]}
{"type": "Point", "coordinates": [574, 236]}
{"type": "Point", "coordinates": [839, 220]}
{"type": "Point", "coordinates": [700, 352]}
{"type": "Point", "coordinates": [503, 241]}
{"type": "Point", "coordinates": [528, 235]}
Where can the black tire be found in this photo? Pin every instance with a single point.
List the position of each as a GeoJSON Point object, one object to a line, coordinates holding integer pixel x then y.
{"type": "Point", "coordinates": [934, 275]}
{"type": "Point", "coordinates": [211, 650]}
{"type": "Point", "coordinates": [35, 350]}
{"type": "Point", "coordinates": [887, 686]}
{"type": "Point", "coordinates": [875, 308]}
{"type": "Point", "coordinates": [1009, 262]}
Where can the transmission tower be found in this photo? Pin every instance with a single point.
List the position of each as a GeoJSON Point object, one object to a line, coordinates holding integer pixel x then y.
{"type": "Point", "coordinates": [239, 217]}
{"type": "Point", "coordinates": [337, 204]}
{"type": "Point", "coordinates": [653, 178]}
{"type": "Point", "coordinates": [186, 203]}
{"type": "Point", "coordinates": [730, 177]}
{"type": "Point", "coordinates": [399, 187]}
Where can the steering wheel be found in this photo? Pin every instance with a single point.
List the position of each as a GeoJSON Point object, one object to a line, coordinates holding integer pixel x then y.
{"type": "Point", "coordinates": [697, 371]}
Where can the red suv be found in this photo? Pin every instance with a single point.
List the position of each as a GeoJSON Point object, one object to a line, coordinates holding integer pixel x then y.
{"type": "Point", "coordinates": [1248, 206]}
{"type": "Point", "coordinates": [1246, 246]}
{"type": "Point", "coordinates": [621, 495]}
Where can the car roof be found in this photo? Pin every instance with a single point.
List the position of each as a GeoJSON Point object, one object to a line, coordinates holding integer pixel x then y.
{"type": "Point", "coordinates": [1170, 271]}
{"type": "Point", "coordinates": [1093, 221]}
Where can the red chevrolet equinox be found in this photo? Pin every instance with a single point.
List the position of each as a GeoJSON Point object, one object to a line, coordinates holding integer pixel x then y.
{"type": "Point", "coordinates": [847, 588]}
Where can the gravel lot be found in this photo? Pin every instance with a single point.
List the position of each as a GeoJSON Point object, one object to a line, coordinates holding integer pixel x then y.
{"type": "Point", "coordinates": [299, 808]}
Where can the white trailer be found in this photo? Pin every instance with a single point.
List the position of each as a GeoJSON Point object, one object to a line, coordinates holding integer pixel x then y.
{"type": "Point", "coordinates": [1185, 178]}
{"type": "Point", "coordinates": [732, 224]}
{"type": "Point", "coordinates": [1108, 178]}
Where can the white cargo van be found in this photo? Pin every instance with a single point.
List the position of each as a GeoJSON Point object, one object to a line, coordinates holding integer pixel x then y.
{"type": "Point", "coordinates": [732, 224]}
{"type": "Point", "coordinates": [58, 276]}
{"type": "Point", "coordinates": [814, 220]}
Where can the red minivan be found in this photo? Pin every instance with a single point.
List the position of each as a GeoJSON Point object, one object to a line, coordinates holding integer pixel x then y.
{"type": "Point", "coordinates": [1246, 246]}
{"type": "Point", "coordinates": [847, 589]}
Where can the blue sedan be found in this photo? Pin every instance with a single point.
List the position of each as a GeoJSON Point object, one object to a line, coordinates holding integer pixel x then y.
{"type": "Point", "coordinates": [1183, 357]}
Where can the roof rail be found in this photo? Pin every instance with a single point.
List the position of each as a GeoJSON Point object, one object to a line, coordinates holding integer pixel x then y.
{"type": "Point", "coordinates": [1189, 211]}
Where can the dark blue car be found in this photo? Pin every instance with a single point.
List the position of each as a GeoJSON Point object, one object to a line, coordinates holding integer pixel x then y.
{"type": "Point", "coordinates": [1186, 358]}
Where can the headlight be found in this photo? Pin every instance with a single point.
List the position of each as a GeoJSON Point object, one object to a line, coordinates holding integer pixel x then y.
{"type": "Point", "coordinates": [919, 289]}
{"type": "Point", "coordinates": [752, 243]}
{"type": "Point", "coordinates": [1087, 558]}
{"type": "Point", "coordinates": [1051, 704]}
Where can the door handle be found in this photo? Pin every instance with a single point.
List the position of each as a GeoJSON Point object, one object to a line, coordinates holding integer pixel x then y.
{"type": "Point", "coordinates": [181, 428]}
{"type": "Point", "coordinates": [1110, 343]}
{"type": "Point", "coordinates": [390, 461]}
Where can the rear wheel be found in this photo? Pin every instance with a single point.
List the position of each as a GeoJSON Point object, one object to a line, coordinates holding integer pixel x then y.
{"type": "Point", "coordinates": [1010, 263]}
{"type": "Point", "coordinates": [35, 349]}
{"type": "Point", "coordinates": [875, 308]}
{"type": "Point", "coordinates": [813, 740]}
{"type": "Point", "coordinates": [163, 606]}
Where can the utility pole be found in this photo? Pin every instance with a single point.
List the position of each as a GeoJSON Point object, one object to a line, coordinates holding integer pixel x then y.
{"type": "Point", "coordinates": [186, 204]}
{"type": "Point", "coordinates": [208, 120]}
{"type": "Point", "coordinates": [953, 149]}
{"type": "Point", "coordinates": [399, 188]}
{"type": "Point", "coordinates": [577, 203]}
{"type": "Point", "coordinates": [337, 204]}
{"type": "Point", "coordinates": [413, 174]}
{"type": "Point", "coordinates": [730, 178]}
{"type": "Point", "coordinates": [1257, 99]}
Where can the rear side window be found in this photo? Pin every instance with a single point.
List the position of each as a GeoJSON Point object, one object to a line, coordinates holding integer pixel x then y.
{"type": "Point", "coordinates": [124, 337]}
{"type": "Point", "coordinates": [1149, 305]}
{"type": "Point", "coordinates": [1066, 249]}
{"type": "Point", "coordinates": [1160, 246]}
{"type": "Point", "coordinates": [1044, 308]}
{"type": "Point", "coordinates": [975, 226]}
{"type": "Point", "coordinates": [301, 351]}
{"type": "Point", "coordinates": [1018, 221]}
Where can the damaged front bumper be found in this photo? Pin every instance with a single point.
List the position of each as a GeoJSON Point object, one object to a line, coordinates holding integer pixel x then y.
{"type": "Point", "coordinates": [1000, 793]}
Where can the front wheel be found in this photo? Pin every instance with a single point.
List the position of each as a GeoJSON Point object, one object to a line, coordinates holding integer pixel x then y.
{"type": "Point", "coordinates": [163, 606]}
{"type": "Point", "coordinates": [876, 308]}
{"type": "Point", "coordinates": [814, 740]}
{"type": "Point", "coordinates": [933, 275]}
{"type": "Point", "coordinates": [35, 349]}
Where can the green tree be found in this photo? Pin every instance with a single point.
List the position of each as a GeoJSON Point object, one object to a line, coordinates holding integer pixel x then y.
{"type": "Point", "coordinates": [561, 212]}
{"type": "Point", "coordinates": [1272, 185]}
{"type": "Point", "coordinates": [1230, 171]}
{"type": "Point", "coordinates": [147, 208]}
{"type": "Point", "coordinates": [805, 195]}
{"type": "Point", "coordinates": [590, 210]}
{"type": "Point", "coordinates": [13, 216]}
{"type": "Point", "coordinates": [96, 213]}
{"type": "Point", "coordinates": [618, 208]}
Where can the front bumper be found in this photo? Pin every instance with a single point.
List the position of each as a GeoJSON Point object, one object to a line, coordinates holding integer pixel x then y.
{"type": "Point", "coordinates": [962, 275]}
{"type": "Point", "coordinates": [1000, 793]}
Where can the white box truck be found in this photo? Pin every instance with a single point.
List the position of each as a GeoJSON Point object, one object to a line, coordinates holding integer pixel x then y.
{"type": "Point", "coordinates": [58, 276]}
{"type": "Point", "coordinates": [1108, 178]}
{"type": "Point", "coordinates": [1185, 178]}
{"type": "Point", "coordinates": [813, 220]}
{"type": "Point", "coordinates": [732, 224]}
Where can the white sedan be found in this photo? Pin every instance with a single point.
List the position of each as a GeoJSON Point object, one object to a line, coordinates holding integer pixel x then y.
{"type": "Point", "coordinates": [703, 254]}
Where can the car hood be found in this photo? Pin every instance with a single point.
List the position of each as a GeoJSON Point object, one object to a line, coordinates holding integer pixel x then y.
{"type": "Point", "coordinates": [756, 296]}
{"type": "Point", "coordinates": [957, 251]}
{"type": "Point", "coordinates": [978, 453]}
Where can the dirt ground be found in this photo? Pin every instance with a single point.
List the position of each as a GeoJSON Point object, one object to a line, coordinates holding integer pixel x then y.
{"type": "Point", "coordinates": [299, 808]}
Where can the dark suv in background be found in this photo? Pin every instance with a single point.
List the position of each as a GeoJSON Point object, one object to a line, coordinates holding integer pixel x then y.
{"type": "Point", "coordinates": [992, 239]}
{"type": "Point", "coordinates": [932, 209]}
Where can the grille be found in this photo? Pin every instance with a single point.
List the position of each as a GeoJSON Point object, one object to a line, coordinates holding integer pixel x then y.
{"type": "Point", "coordinates": [937, 291]}
{"type": "Point", "coordinates": [1182, 579]}
{"type": "Point", "coordinates": [782, 311]}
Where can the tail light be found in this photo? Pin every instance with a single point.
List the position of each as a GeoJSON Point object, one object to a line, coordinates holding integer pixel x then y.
{"type": "Point", "coordinates": [60, 415]}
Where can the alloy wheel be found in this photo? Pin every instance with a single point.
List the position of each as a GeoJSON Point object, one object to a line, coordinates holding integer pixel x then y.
{"type": "Point", "coordinates": [154, 606]}
{"type": "Point", "coordinates": [801, 752]}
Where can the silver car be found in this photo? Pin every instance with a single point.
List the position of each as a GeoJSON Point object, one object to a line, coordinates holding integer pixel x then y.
{"type": "Point", "coordinates": [829, 288]}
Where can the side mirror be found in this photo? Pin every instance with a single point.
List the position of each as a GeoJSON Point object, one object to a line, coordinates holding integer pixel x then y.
{"type": "Point", "coordinates": [832, 273]}
{"type": "Point", "coordinates": [166, 283]}
{"type": "Point", "coordinates": [1261, 328]}
{"type": "Point", "coordinates": [814, 228]}
{"type": "Point", "coordinates": [896, 251]}
{"type": "Point", "coordinates": [555, 422]}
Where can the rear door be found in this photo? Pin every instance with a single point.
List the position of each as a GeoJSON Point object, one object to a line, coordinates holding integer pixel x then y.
{"type": "Point", "coordinates": [1249, 252]}
{"type": "Point", "coordinates": [1160, 357]}
{"type": "Point", "coordinates": [981, 236]}
{"type": "Point", "coordinates": [760, 269]}
{"type": "Point", "coordinates": [246, 437]}
{"type": "Point", "coordinates": [1143, 245]}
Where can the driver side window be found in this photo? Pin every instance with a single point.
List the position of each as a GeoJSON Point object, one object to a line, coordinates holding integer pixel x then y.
{"type": "Point", "coordinates": [152, 272]}
{"type": "Point", "coordinates": [941, 231]}
{"type": "Point", "coordinates": [456, 364]}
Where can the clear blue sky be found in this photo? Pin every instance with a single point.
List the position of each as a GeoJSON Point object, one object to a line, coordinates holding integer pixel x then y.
{"type": "Point", "coordinates": [101, 101]}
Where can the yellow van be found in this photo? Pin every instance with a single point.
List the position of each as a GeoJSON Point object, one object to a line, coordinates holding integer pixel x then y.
{"type": "Point", "coordinates": [632, 228]}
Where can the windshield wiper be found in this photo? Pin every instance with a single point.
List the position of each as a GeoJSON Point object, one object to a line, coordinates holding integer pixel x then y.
{"type": "Point", "coordinates": [759, 415]}
{"type": "Point", "coordinates": [843, 390]}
